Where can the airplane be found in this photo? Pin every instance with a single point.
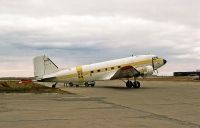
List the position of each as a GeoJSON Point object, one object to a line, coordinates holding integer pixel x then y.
{"type": "Point", "coordinates": [124, 69]}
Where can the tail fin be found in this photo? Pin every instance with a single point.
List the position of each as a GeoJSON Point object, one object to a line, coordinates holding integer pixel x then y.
{"type": "Point", "coordinates": [43, 66]}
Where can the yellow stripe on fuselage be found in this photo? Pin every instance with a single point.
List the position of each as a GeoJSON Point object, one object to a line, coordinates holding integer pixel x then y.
{"type": "Point", "coordinates": [80, 74]}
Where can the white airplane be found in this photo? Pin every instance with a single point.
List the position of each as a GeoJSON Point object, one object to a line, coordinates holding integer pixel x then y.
{"type": "Point", "coordinates": [131, 67]}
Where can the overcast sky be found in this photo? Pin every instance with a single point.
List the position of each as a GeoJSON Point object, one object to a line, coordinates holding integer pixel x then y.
{"type": "Point", "coordinates": [75, 32]}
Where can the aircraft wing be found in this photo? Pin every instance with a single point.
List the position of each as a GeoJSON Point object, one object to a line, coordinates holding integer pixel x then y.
{"type": "Point", "coordinates": [126, 72]}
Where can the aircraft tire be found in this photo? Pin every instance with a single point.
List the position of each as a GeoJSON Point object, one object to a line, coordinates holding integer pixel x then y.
{"type": "Point", "coordinates": [136, 84]}
{"type": "Point", "coordinates": [53, 86]}
{"type": "Point", "coordinates": [129, 84]}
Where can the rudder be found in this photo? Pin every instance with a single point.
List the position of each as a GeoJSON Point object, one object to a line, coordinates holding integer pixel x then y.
{"type": "Point", "coordinates": [43, 66]}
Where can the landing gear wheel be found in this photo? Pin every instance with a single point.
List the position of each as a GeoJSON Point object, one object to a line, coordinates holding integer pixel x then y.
{"type": "Point", "coordinates": [129, 84]}
{"type": "Point", "coordinates": [54, 85]}
{"type": "Point", "coordinates": [71, 84]}
{"type": "Point", "coordinates": [77, 85]}
{"type": "Point", "coordinates": [136, 84]}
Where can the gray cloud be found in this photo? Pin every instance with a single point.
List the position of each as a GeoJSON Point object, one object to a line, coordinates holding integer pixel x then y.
{"type": "Point", "coordinates": [98, 31]}
{"type": "Point", "coordinates": [90, 31]}
{"type": "Point", "coordinates": [182, 11]}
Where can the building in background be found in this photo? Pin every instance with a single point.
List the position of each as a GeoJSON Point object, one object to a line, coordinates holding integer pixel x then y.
{"type": "Point", "coordinates": [194, 74]}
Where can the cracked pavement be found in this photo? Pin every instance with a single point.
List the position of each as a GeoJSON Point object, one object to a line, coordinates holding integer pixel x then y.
{"type": "Point", "coordinates": [156, 104]}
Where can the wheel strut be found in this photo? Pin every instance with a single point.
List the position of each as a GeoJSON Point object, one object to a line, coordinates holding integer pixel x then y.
{"type": "Point", "coordinates": [54, 85]}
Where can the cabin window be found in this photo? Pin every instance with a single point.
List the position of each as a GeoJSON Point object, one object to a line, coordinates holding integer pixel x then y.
{"type": "Point", "coordinates": [92, 72]}
{"type": "Point", "coordinates": [119, 66]}
{"type": "Point", "coordinates": [106, 69]}
{"type": "Point", "coordinates": [112, 68]}
{"type": "Point", "coordinates": [98, 70]}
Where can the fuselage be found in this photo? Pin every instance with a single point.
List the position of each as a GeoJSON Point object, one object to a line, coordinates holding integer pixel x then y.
{"type": "Point", "coordinates": [104, 70]}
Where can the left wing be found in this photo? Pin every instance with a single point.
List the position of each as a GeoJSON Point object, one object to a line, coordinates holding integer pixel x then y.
{"type": "Point", "coordinates": [126, 72]}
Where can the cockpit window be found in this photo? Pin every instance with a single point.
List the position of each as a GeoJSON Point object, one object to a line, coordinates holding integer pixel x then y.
{"type": "Point", "coordinates": [155, 57]}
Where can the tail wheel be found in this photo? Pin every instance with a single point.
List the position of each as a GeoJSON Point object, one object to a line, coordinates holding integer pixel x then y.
{"type": "Point", "coordinates": [129, 84]}
{"type": "Point", "coordinates": [136, 84]}
{"type": "Point", "coordinates": [53, 86]}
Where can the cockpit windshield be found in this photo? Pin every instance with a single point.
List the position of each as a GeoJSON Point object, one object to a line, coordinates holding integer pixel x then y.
{"type": "Point", "coordinates": [156, 57]}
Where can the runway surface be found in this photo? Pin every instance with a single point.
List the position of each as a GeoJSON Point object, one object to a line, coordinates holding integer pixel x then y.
{"type": "Point", "coordinates": [156, 104]}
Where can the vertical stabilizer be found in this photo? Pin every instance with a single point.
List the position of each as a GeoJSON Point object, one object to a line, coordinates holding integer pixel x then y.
{"type": "Point", "coordinates": [43, 66]}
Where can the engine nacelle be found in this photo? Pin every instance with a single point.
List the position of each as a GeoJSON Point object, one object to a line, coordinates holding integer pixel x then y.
{"type": "Point", "coordinates": [147, 71]}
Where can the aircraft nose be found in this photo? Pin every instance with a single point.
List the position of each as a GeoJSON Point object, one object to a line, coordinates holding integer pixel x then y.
{"type": "Point", "coordinates": [164, 61]}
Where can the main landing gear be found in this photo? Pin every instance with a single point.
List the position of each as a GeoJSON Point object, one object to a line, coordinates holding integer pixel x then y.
{"type": "Point", "coordinates": [135, 84]}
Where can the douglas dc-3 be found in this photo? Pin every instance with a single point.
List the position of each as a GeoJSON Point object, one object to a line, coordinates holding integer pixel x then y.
{"type": "Point", "coordinates": [131, 67]}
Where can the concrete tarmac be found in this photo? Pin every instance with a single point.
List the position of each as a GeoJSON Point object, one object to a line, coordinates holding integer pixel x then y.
{"type": "Point", "coordinates": [165, 104]}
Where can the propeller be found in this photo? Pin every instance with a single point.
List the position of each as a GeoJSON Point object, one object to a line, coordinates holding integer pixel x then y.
{"type": "Point", "coordinates": [153, 63]}
{"type": "Point", "coordinates": [153, 66]}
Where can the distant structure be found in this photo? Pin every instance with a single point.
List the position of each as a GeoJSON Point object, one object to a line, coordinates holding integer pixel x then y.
{"type": "Point", "coordinates": [186, 73]}
{"type": "Point", "coordinates": [194, 74]}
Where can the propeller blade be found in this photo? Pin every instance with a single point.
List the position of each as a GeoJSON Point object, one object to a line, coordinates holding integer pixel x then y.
{"type": "Point", "coordinates": [153, 64]}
